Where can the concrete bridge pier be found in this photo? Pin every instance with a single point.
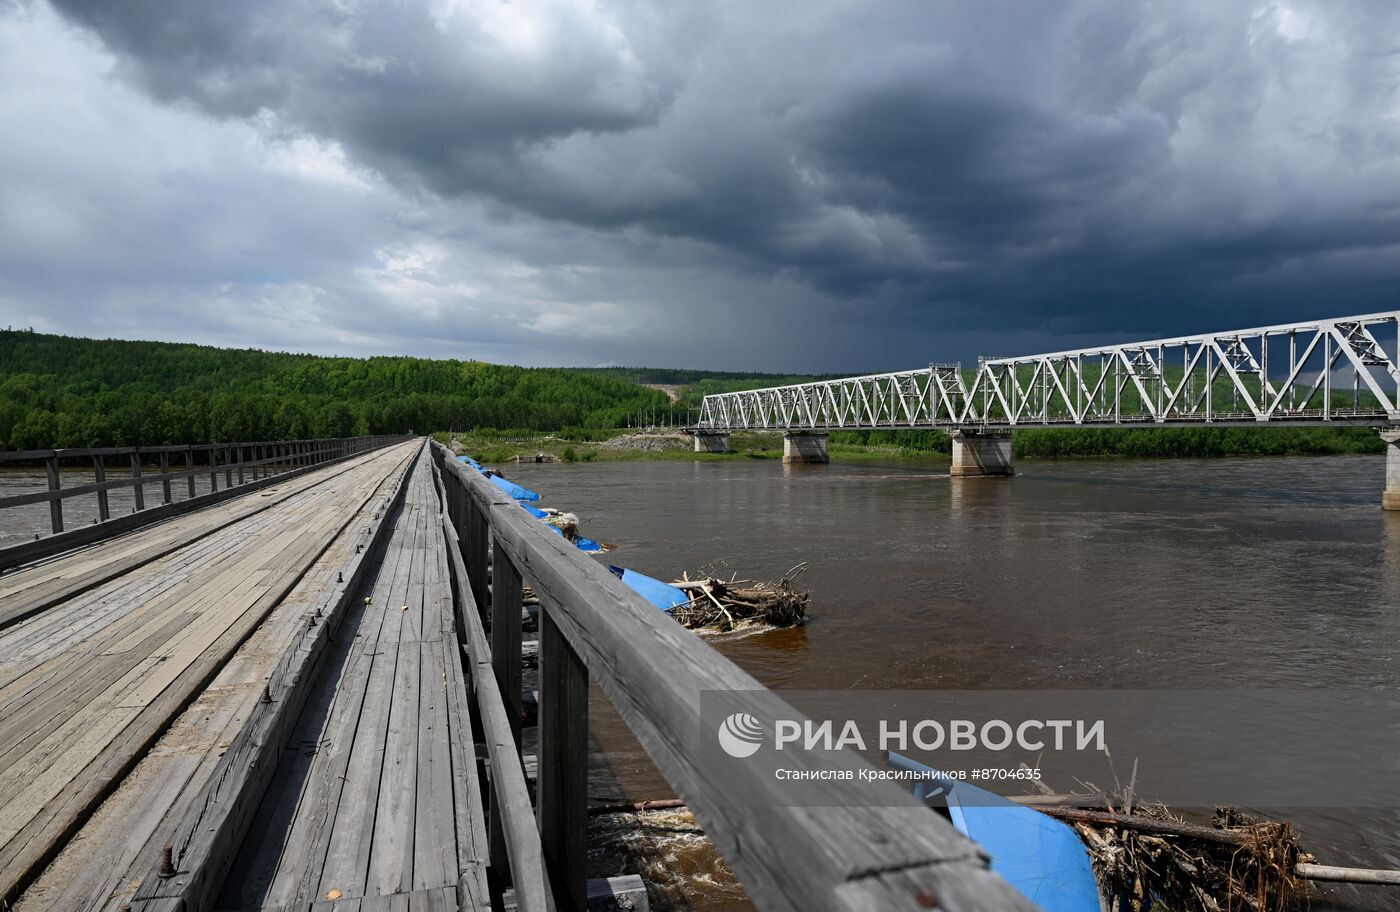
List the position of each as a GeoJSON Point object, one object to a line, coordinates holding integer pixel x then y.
{"type": "Point", "coordinates": [717, 442]}
{"type": "Point", "coordinates": [805, 447]}
{"type": "Point", "coordinates": [979, 453]}
{"type": "Point", "coordinates": [1390, 500]}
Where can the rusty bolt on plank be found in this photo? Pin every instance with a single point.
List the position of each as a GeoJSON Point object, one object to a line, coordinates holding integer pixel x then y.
{"type": "Point", "coordinates": [339, 577]}
{"type": "Point", "coordinates": [167, 862]}
{"type": "Point", "coordinates": [267, 694]}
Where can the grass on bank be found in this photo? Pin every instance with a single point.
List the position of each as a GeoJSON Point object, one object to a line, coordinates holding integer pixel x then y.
{"type": "Point", "coordinates": [592, 445]}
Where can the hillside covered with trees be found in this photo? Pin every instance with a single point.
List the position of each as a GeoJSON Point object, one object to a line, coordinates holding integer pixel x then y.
{"type": "Point", "coordinates": [62, 391]}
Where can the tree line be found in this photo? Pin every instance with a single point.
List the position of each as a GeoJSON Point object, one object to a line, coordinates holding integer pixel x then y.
{"type": "Point", "coordinates": [59, 391]}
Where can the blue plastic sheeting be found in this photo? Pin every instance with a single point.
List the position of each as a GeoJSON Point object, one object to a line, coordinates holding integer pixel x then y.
{"type": "Point", "coordinates": [535, 511]}
{"type": "Point", "coordinates": [470, 461]}
{"type": "Point", "coordinates": [513, 489]}
{"type": "Point", "coordinates": [1038, 855]}
{"type": "Point", "coordinates": [662, 595]}
{"type": "Point", "coordinates": [583, 544]}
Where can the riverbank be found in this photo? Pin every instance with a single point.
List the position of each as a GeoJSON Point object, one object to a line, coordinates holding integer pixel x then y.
{"type": "Point", "coordinates": [1029, 443]}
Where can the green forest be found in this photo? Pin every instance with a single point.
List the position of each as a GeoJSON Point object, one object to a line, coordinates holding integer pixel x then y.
{"type": "Point", "coordinates": [69, 392]}
{"type": "Point", "coordinates": [59, 391]}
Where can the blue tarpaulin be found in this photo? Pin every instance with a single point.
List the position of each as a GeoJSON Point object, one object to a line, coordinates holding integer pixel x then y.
{"type": "Point", "coordinates": [583, 544]}
{"type": "Point", "coordinates": [1038, 855]}
{"type": "Point", "coordinates": [662, 595]}
{"type": "Point", "coordinates": [470, 461]}
{"type": "Point", "coordinates": [513, 489]}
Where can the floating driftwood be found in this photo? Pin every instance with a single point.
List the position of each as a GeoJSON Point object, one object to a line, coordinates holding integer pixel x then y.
{"type": "Point", "coordinates": [726, 604]}
{"type": "Point", "coordinates": [1152, 858]}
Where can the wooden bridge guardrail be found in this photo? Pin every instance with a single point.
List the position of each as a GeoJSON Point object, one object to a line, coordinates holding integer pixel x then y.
{"type": "Point", "coordinates": [873, 847]}
{"type": "Point", "coordinates": [245, 466]}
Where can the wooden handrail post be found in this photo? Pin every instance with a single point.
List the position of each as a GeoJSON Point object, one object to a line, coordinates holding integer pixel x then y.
{"type": "Point", "coordinates": [562, 788]}
{"type": "Point", "coordinates": [479, 557]}
{"type": "Point", "coordinates": [55, 505]}
{"type": "Point", "coordinates": [137, 489]}
{"type": "Point", "coordinates": [99, 475]}
{"type": "Point", "coordinates": [505, 663]}
{"type": "Point", "coordinates": [213, 470]}
{"type": "Point", "coordinates": [256, 459]}
{"type": "Point", "coordinates": [242, 462]}
{"type": "Point", "coordinates": [189, 469]}
{"type": "Point", "coordinates": [165, 473]}
{"type": "Point", "coordinates": [228, 467]}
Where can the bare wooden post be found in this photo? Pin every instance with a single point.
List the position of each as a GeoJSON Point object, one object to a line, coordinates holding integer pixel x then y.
{"type": "Point", "coordinates": [213, 470]}
{"type": "Point", "coordinates": [189, 469]}
{"type": "Point", "coordinates": [137, 489]}
{"type": "Point", "coordinates": [165, 479]}
{"type": "Point", "coordinates": [242, 460]}
{"type": "Point", "coordinates": [563, 765]}
{"type": "Point", "coordinates": [55, 505]}
{"type": "Point", "coordinates": [505, 662]}
{"type": "Point", "coordinates": [99, 475]}
{"type": "Point", "coordinates": [478, 555]}
{"type": "Point", "coordinates": [228, 467]}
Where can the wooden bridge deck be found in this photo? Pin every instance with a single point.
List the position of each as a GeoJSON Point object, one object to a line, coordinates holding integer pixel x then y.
{"type": "Point", "coordinates": [380, 798]}
{"type": "Point", "coordinates": [178, 626]}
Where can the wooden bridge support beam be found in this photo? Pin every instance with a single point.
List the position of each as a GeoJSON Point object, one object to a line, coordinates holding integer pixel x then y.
{"type": "Point", "coordinates": [1390, 499]}
{"type": "Point", "coordinates": [805, 447]}
{"type": "Point", "coordinates": [978, 454]}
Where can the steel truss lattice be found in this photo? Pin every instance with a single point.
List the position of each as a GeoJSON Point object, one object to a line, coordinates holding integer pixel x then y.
{"type": "Point", "coordinates": [1339, 371]}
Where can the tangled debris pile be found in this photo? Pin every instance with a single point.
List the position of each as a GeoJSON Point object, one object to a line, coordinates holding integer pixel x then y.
{"type": "Point", "coordinates": [724, 605]}
{"type": "Point", "coordinates": [1154, 859]}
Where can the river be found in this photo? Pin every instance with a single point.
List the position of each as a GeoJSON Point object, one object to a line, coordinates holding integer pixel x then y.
{"type": "Point", "coordinates": [1231, 573]}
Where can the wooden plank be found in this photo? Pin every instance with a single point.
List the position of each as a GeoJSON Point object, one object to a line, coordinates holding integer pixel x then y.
{"type": "Point", "coordinates": [25, 552]}
{"type": "Point", "coordinates": [132, 551]}
{"type": "Point", "coordinates": [234, 793]}
{"type": "Point", "coordinates": [315, 787]}
{"type": "Point", "coordinates": [510, 794]}
{"type": "Point", "coordinates": [55, 506]}
{"type": "Point", "coordinates": [99, 474]}
{"type": "Point", "coordinates": [392, 828]}
{"type": "Point", "coordinates": [138, 491]}
{"type": "Point", "coordinates": [435, 838]}
{"type": "Point", "coordinates": [149, 701]}
{"type": "Point", "coordinates": [562, 787]}
{"type": "Point", "coordinates": [401, 649]}
{"type": "Point", "coordinates": [506, 597]}
{"type": "Point", "coordinates": [347, 863]}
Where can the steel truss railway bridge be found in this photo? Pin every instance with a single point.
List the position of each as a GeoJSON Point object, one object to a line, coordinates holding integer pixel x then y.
{"type": "Point", "coordinates": [1325, 372]}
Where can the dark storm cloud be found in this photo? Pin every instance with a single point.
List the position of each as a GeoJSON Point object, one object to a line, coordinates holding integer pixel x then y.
{"type": "Point", "coordinates": [875, 185]}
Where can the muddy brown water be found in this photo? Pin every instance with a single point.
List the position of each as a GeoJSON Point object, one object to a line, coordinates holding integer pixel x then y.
{"type": "Point", "coordinates": [1089, 574]}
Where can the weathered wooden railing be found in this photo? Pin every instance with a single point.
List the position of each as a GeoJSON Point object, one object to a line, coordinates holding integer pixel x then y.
{"type": "Point", "coordinates": [240, 464]}
{"type": "Point", "coordinates": [873, 847]}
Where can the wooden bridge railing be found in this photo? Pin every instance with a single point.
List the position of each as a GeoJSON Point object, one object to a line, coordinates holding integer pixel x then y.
{"type": "Point", "coordinates": [873, 847]}
{"type": "Point", "coordinates": [240, 464]}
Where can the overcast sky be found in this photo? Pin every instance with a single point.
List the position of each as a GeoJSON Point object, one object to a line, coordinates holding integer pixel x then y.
{"type": "Point", "coordinates": [806, 186]}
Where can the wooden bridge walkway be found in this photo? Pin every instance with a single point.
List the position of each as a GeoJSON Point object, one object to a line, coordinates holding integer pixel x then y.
{"type": "Point", "coordinates": [307, 696]}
